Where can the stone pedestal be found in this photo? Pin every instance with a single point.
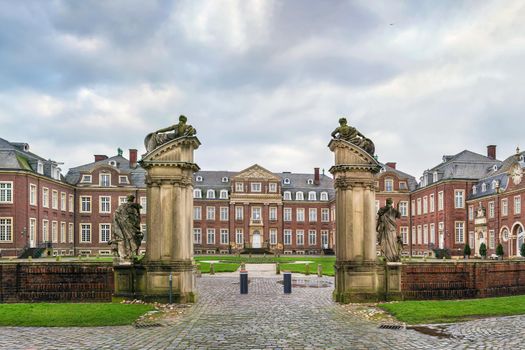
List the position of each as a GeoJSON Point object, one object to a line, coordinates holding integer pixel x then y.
{"type": "Point", "coordinates": [359, 276]}
{"type": "Point", "coordinates": [169, 250]}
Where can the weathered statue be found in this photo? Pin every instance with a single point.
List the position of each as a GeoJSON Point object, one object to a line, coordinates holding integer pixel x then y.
{"type": "Point", "coordinates": [126, 234]}
{"type": "Point", "coordinates": [352, 135]}
{"type": "Point", "coordinates": [159, 137]}
{"type": "Point", "coordinates": [387, 237]}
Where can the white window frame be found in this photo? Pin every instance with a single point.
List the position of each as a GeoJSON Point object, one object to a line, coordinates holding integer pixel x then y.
{"type": "Point", "coordinates": [104, 204]}
{"type": "Point", "coordinates": [63, 201]}
{"type": "Point", "coordinates": [45, 230]}
{"type": "Point", "coordinates": [425, 205]}
{"type": "Point", "coordinates": [123, 179]}
{"type": "Point", "coordinates": [312, 196]}
{"type": "Point", "coordinates": [71, 203]}
{"type": "Point", "coordinates": [197, 213]}
{"type": "Point", "coordinates": [102, 183]}
{"type": "Point", "coordinates": [224, 236]}
{"type": "Point", "coordinates": [389, 184]}
{"type": "Point", "coordinates": [223, 194]}
{"type": "Point", "coordinates": [45, 197]}
{"type": "Point", "coordinates": [255, 187]}
{"type": "Point", "coordinates": [459, 232]}
{"type": "Point", "coordinates": [210, 233]}
{"type": "Point", "coordinates": [470, 213]}
{"type": "Point", "coordinates": [143, 201]}
{"type": "Point", "coordinates": [272, 213]}
{"type": "Point", "coordinates": [312, 214]}
{"type": "Point", "coordinates": [324, 239]}
{"type": "Point", "coordinates": [440, 201]}
{"type": "Point", "coordinates": [419, 206]}
{"type": "Point", "coordinates": [425, 234]}
{"type": "Point", "coordinates": [287, 196]}
{"type": "Point", "coordinates": [432, 233]}
{"type": "Point", "coordinates": [403, 208]}
{"type": "Point", "coordinates": [413, 208]}
{"type": "Point", "coordinates": [197, 193]}
{"type": "Point", "coordinates": [504, 207]}
{"type": "Point", "coordinates": [63, 233]}
{"type": "Point", "coordinates": [299, 237]}
{"type": "Point", "coordinates": [239, 187]}
{"type": "Point", "coordinates": [287, 214]}
{"type": "Point", "coordinates": [86, 179]}
{"type": "Point", "coordinates": [239, 236]}
{"type": "Point", "coordinates": [71, 232]}
{"type": "Point", "coordinates": [224, 213]}
{"type": "Point", "coordinates": [103, 229]}
{"type": "Point", "coordinates": [459, 199]}
{"type": "Point", "coordinates": [32, 194]}
{"type": "Point", "coordinates": [273, 236]}
{"type": "Point", "coordinates": [312, 237]}
{"type": "Point", "coordinates": [197, 235]}
{"type": "Point", "coordinates": [492, 211]}
{"type": "Point", "coordinates": [85, 232]}
{"type": "Point", "coordinates": [6, 229]}
{"type": "Point", "coordinates": [239, 212]}
{"type": "Point", "coordinates": [54, 231]}
{"type": "Point", "coordinates": [324, 196]}
{"type": "Point", "coordinates": [54, 199]}
{"type": "Point", "coordinates": [272, 187]}
{"type": "Point", "coordinates": [210, 194]}
{"type": "Point", "coordinates": [517, 205]}
{"type": "Point", "coordinates": [325, 214]}
{"type": "Point", "coordinates": [256, 213]}
{"type": "Point", "coordinates": [403, 230]}
{"type": "Point", "coordinates": [431, 203]}
{"type": "Point", "coordinates": [299, 214]}
{"type": "Point", "coordinates": [210, 213]}
{"type": "Point", "coordinates": [88, 204]}
{"type": "Point", "coordinates": [299, 196]}
{"type": "Point", "coordinates": [287, 236]}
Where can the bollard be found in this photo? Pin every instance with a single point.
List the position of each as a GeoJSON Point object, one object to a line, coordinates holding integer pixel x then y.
{"type": "Point", "coordinates": [307, 269]}
{"type": "Point", "coordinates": [277, 269]}
{"type": "Point", "coordinates": [243, 266]}
{"type": "Point", "coordinates": [319, 270]}
{"type": "Point", "coordinates": [244, 281]}
{"type": "Point", "coordinates": [170, 279]}
{"type": "Point", "coordinates": [212, 269]}
{"type": "Point", "coordinates": [287, 282]}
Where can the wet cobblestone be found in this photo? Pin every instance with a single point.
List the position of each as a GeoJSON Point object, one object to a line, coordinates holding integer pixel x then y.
{"type": "Point", "coordinates": [267, 319]}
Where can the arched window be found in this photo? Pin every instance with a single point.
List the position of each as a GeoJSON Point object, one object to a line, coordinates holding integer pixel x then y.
{"type": "Point", "coordinates": [312, 196]}
{"type": "Point", "coordinates": [483, 187]}
{"type": "Point", "coordinates": [310, 182]}
{"type": "Point", "coordinates": [287, 195]}
{"type": "Point", "coordinates": [210, 194]}
{"type": "Point", "coordinates": [474, 189]}
{"type": "Point", "coordinates": [324, 196]}
{"type": "Point", "coordinates": [286, 181]}
{"type": "Point", "coordinates": [494, 184]}
{"type": "Point", "coordinates": [224, 194]}
{"type": "Point", "coordinates": [299, 196]}
{"type": "Point", "coordinates": [197, 193]}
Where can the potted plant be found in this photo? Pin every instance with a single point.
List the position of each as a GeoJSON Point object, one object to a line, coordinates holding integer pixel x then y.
{"type": "Point", "coordinates": [499, 251]}
{"type": "Point", "coordinates": [483, 250]}
{"type": "Point", "coordinates": [466, 251]}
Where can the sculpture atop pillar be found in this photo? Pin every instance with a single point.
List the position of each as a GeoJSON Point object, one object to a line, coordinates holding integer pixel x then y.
{"type": "Point", "coordinates": [125, 231]}
{"type": "Point", "coordinates": [162, 136]}
{"type": "Point", "coordinates": [352, 135]}
{"type": "Point", "coordinates": [387, 237]}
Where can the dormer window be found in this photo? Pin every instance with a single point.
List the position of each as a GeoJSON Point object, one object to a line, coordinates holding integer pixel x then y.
{"type": "Point", "coordinates": [299, 196]}
{"type": "Point", "coordinates": [494, 184]}
{"type": "Point", "coordinates": [105, 180]}
{"type": "Point", "coordinates": [272, 187]}
{"type": "Point", "coordinates": [495, 167]}
{"type": "Point", "coordinates": [40, 167]}
{"type": "Point", "coordinates": [123, 179]}
{"type": "Point", "coordinates": [256, 186]}
{"type": "Point", "coordinates": [197, 193]}
{"type": "Point", "coordinates": [474, 189]}
{"type": "Point", "coordinates": [286, 181]}
{"type": "Point", "coordinates": [198, 178]}
{"type": "Point", "coordinates": [435, 176]}
{"type": "Point", "coordinates": [312, 196]}
{"type": "Point", "coordinates": [402, 185]}
{"type": "Point", "coordinates": [310, 182]}
{"type": "Point", "coordinates": [224, 194]}
{"type": "Point", "coordinates": [86, 179]}
{"type": "Point", "coordinates": [287, 195]}
{"type": "Point", "coordinates": [112, 163]}
{"type": "Point", "coordinates": [225, 179]}
{"type": "Point", "coordinates": [239, 187]}
{"type": "Point", "coordinates": [324, 196]}
{"type": "Point", "coordinates": [483, 187]}
{"type": "Point", "coordinates": [389, 185]}
{"type": "Point", "coordinates": [210, 194]}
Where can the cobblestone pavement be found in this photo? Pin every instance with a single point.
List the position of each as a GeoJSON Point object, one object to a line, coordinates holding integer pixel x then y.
{"type": "Point", "coordinates": [267, 319]}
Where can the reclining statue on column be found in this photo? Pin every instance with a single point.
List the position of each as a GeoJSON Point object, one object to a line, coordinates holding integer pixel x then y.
{"type": "Point", "coordinates": [352, 135]}
{"type": "Point", "coordinates": [126, 235]}
{"type": "Point", "coordinates": [389, 241]}
{"type": "Point", "coordinates": [160, 137]}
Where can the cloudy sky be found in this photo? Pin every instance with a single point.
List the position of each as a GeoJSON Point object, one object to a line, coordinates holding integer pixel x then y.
{"type": "Point", "coordinates": [264, 81]}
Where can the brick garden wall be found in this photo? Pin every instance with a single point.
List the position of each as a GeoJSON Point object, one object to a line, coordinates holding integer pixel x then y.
{"type": "Point", "coordinates": [469, 279]}
{"type": "Point", "coordinates": [55, 282]}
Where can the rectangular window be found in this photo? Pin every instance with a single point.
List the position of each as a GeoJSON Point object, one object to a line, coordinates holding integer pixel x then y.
{"type": "Point", "coordinates": [85, 204]}
{"type": "Point", "coordinates": [312, 214]}
{"type": "Point", "coordinates": [300, 214]}
{"type": "Point", "coordinates": [403, 230]}
{"type": "Point", "coordinates": [105, 233]}
{"type": "Point", "coordinates": [287, 237]}
{"type": "Point", "coordinates": [440, 200]}
{"type": "Point", "coordinates": [223, 213]}
{"type": "Point", "coordinates": [273, 213]}
{"type": "Point", "coordinates": [299, 237]}
{"type": "Point", "coordinates": [431, 203]}
{"type": "Point", "coordinates": [63, 201]}
{"type": "Point", "coordinates": [71, 201]}
{"type": "Point", "coordinates": [123, 179]}
{"type": "Point", "coordinates": [239, 187]}
{"type": "Point", "coordinates": [256, 213]}
{"type": "Point", "coordinates": [459, 199]}
{"type": "Point", "coordinates": [105, 204]}
{"type": "Point", "coordinates": [413, 207]}
{"type": "Point", "coordinates": [272, 187]}
{"type": "Point", "coordinates": [517, 205]}
{"type": "Point", "coordinates": [144, 205]}
{"type": "Point", "coordinates": [210, 213]}
{"type": "Point", "coordinates": [6, 229]}
{"type": "Point", "coordinates": [425, 205]}
{"type": "Point", "coordinates": [414, 237]}
{"type": "Point", "coordinates": [287, 214]}
{"type": "Point", "coordinates": [239, 236]}
{"type": "Point", "coordinates": [432, 234]}
{"type": "Point", "coordinates": [504, 207]}
{"type": "Point", "coordinates": [6, 192]}
{"type": "Point", "coordinates": [492, 239]}
{"type": "Point", "coordinates": [225, 236]}
{"type": "Point", "coordinates": [63, 232]}
{"type": "Point", "coordinates": [460, 232]}
{"type": "Point", "coordinates": [32, 230]}
{"type": "Point", "coordinates": [239, 213]}
{"type": "Point", "coordinates": [419, 234]}
{"type": "Point", "coordinates": [54, 232]}
{"type": "Point", "coordinates": [273, 236]}
{"type": "Point", "coordinates": [197, 213]}
{"type": "Point", "coordinates": [470, 213]}
{"type": "Point", "coordinates": [45, 197]}
{"type": "Point", "coordinates": [85, 233]}
{"type": "Point", "coordinates": [403, 208]}
{"type": "Point", "coordinates": [197, 236]}
{"type": "Point", "coordinates": [85, 179]}
{"type": "Point", "coordinates": [325, 215]}
{"type": "Point", "coordinates": [32, 194]}
{"type": "Point", "coordinates": [389, 185]}
{"type": "Point", "coordinates": [105, 180]}
{"type": "Point", "coordinates": [70, 232]}
{"type": "Point", "coordinates": [54, 199]}
{"type": "Point", "coordinates": [491, 210]}
{"type": "Point", "coordinates": [419, 206]}
{"type": "Point", "coordinates": [425, 234]}
{"type": "Point", "coordinates": [256, 186]}
{"type": "Point", "coordinates": [45, 230]}
{"type": "Point", "coordinates": [312, 237]}
{"type": "Point", "coordinates": [211, 236]}
{"type": "Point", "coordinates": [122, 200]}
{"type": "Point", "coordinates": [324, 238]}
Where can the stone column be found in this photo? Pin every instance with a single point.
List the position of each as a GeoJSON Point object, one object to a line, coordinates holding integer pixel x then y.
{"type": "Point", "coordinates": [359, 277]}
{"type": "Point", "coordinates": [169, 249]}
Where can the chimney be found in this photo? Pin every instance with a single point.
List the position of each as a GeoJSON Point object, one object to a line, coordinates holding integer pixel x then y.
{"type": "Point", "coordinates": [132, 158]}
{"type": "Point", "coordinates": [316, 177]}
{"type": "Point", "coordinates": [99, 157]}
{"type": "Point", "coordinates": [391, 164]}
{"type": "Point", "coordinates": [491, 151]}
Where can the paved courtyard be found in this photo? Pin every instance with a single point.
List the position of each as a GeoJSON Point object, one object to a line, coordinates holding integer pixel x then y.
{"type": "Point", "coordinates": [267, 319]}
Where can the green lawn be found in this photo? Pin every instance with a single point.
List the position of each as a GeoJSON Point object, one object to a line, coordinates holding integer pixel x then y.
{"type": "Point", "coordinates": [446, 311]}
{"type": "Point", "coordinates": [219, 267]}
{"type": "Point", "coordinates": [70, 315]}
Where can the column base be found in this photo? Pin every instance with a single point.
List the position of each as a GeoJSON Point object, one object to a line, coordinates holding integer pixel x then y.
{"type": "Point", "coordinates": [151, 281]}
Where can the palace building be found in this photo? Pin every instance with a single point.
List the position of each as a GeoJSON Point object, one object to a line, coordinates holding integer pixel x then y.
{"type": "Point", "coordinates": [467, 198]}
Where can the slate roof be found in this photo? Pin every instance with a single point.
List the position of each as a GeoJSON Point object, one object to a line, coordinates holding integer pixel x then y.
{"type": "Point", "coordinates": [411, 180]}
{"type": "Point", "coordinates": [137, 174]}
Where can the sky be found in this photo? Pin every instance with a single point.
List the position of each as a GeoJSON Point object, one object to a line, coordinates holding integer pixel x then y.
{"type": "Point", "coordinates": [264, 81]}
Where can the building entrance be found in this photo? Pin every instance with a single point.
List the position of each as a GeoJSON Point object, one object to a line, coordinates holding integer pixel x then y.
{"type": "Point", "coordinates": [256, 240]}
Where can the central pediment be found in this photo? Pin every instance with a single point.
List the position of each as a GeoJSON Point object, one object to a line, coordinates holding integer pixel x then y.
{"type": "Point", "coordinates": [256, 172]}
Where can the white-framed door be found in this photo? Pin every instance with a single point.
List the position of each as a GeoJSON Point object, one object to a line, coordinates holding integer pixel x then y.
{"type": "Point", "coordinates": [256, 240]}
{"type": "Point", "coordinates": [32, 233]}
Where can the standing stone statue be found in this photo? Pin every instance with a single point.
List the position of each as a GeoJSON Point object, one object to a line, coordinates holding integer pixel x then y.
{"type": "Point", "coordinates": [161, 136]}
{"type": "Point", "coordinates": [126, 233]}
{"type": "Point", "coordinates": [352, 135]}
{"type": "Point", "coordinates": [387, 237]}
